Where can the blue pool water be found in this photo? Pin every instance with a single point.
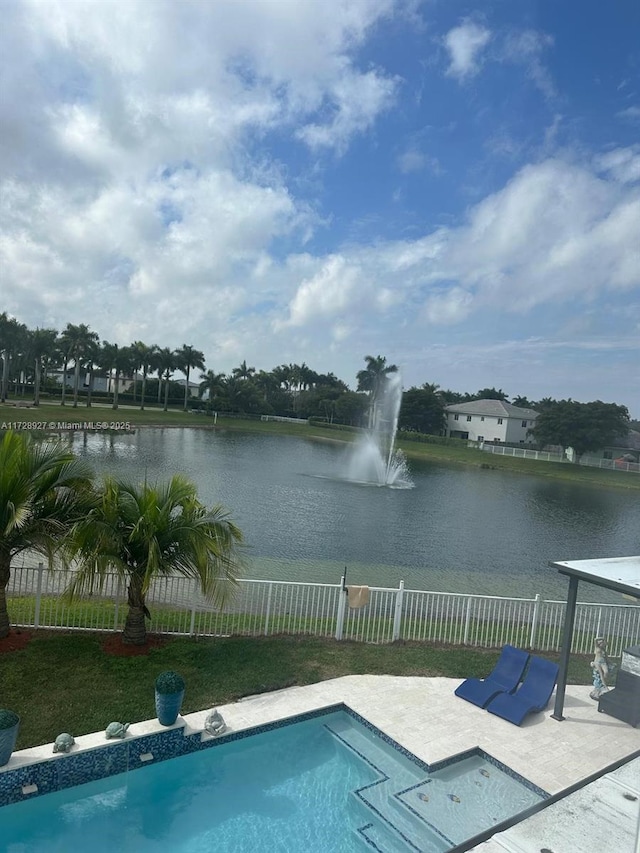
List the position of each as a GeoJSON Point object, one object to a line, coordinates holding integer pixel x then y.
{"type": "Point", "coordinates": [324, 785]}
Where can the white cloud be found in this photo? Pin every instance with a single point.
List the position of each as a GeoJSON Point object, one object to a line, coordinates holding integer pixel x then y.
{"type": "Point", "coordinates": [353, 103]}
{"type": "Point", "coordinates": [526, 47]}
{"type": "Point", "coordinates": [329, 293]}
{"type": "Point", "coordinates": [630, 114]}
{"type": "Point", "coordinates": [623, 164]}
{"type": "Point", "coordinates": [465, 44]}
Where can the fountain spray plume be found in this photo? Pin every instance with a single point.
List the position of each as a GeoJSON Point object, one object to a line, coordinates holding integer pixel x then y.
{"type": "Point", "coordinates": [375, 458]}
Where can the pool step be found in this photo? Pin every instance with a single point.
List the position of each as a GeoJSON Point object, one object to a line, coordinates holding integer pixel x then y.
{"type": "Point", "coordinates": [378, 839]}
{"type": "Point", "coordinates": [379, 755]}
{"type": "Point", "coordinates": [392, 823]}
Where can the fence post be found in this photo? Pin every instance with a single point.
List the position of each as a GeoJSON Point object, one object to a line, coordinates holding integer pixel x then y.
{"type": "Point", "coordinates": [192, 624]}
{"type": "Point", "coordinates": [36, 615]}
{"type": "Point", "coordinates": [342, 602]}
{"type": "Point", "coordinates": [467, 621]}
{"type": "Point", "coordinates": [268, 613]}
{"type": "Point", "coordinates": [116, 608]}
{"type": "Point", "coordinates": [534, 621]}
{"type": "Point", "coordinates": [397, 616]}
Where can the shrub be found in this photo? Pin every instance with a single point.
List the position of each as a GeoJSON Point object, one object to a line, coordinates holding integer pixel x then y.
{"type": "Point", "coordinates": [8, 719]}
{"type": "Point", "coordinates": [169, 682]}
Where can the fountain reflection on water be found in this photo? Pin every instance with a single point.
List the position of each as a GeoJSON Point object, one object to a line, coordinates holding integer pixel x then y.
{"type": "Point", "coordinates": [375, 460]}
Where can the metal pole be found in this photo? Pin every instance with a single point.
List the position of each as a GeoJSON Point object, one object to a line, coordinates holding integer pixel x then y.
{"type": "Point", "coordinates": [569, 619]}
{"type": "Point", "coordinates": [397, 616]}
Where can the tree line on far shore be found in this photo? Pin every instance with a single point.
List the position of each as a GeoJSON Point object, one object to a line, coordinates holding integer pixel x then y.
{"type": "Point", "coordinates": [30, 356]}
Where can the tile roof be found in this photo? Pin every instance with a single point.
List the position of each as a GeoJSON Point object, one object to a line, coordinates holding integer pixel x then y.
{"type": "Point", "coordinates": [495, 408]}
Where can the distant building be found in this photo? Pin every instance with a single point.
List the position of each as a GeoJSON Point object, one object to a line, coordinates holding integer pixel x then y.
{"type": "Point", "coordinates": [490, 420]}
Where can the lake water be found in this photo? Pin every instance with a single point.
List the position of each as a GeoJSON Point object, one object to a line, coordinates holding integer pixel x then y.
{"type": "Point", "coordinates": [461, 529]}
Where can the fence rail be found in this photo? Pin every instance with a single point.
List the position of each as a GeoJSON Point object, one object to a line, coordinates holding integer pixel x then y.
{"type": "Point", "coordinates": [589, 461]}
{"type": "Point", "coordinates": [264, 607]}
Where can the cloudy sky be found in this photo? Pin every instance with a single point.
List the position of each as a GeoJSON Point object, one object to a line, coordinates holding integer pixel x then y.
{"type": "Point", "coordinates": [455, 187]}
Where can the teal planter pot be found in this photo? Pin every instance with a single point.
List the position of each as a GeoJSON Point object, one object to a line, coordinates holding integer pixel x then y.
{"type": "Point", "coordinates": [169, 696]}
{"type": "Point", "coordinates": [10, 723]}
{"type": "Point", "coordinates": [168, 707]}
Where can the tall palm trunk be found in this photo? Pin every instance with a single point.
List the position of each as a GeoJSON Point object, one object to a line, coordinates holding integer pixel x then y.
{"type": "Point", "coordinates": [76, 383]}
{"type": "Point", "coordinates": [64, 382]}
{"type": "Point", "coordinates": [5, 572]}
{"type": "Point", "coordinates": [38, 382]}
{"type": "Point", "coordinates": [159, 387]}
{"type": "Point", "coordinates": [135, 629]}
{"type": "Point", "coordinates": [6, 359]}
{"type": "Point", "coordinates": [144, 388]}
{"type": "Point", "coordinates": [166, 391]}
{"type": "Point", "coordinates": [90, 388]}
{"type": "Point", "coordinates": [116, 390]}
{"type": "Point", "coordinates": [186, 389]}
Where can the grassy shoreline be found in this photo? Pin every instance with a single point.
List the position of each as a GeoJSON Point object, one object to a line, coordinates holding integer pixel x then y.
{"type": "Point", "coordinates": [66, 682]}
{"type": "Point", "coordinates": [40, 419]}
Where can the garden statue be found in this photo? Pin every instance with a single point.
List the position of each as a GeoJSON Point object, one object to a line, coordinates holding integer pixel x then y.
{"type": "Point", "coordinates": [63, 742]}
{"type": "Point", "coordinates": [214, 724]}
{"type": "Point", "coordinates": [601, 667]}
{"type": "Point", "coordinates": [117, 730]}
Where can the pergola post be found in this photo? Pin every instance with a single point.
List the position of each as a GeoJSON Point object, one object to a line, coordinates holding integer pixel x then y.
{"type": "Point", "coordinates": [567, 636]}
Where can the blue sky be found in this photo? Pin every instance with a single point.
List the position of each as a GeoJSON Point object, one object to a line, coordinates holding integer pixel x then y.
{"type": "Point", "coordinates": [453, 186]}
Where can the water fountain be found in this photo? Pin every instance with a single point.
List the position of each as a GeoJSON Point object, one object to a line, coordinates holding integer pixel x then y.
{"type": "Point", "coordinates": [375, 459]}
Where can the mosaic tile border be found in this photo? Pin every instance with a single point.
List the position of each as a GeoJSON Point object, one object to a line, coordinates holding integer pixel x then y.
{"type": "Point", "coordinates": [78, 768]}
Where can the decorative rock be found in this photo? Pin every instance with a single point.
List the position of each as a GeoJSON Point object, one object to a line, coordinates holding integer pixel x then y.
{"type": "Point", "coordinates": [63, 742]}
{"type": "Point", "coordinates": [214, 724]}
{"type": "Point", "coordinates": [116, 730]}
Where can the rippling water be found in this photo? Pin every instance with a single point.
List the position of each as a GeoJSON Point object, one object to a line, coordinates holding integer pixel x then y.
{"type": "Point", "coordinates": [461, 529]}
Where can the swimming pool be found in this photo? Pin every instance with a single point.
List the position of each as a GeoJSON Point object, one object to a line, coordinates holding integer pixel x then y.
{"type": "Point", "coordinates": [328, 784]}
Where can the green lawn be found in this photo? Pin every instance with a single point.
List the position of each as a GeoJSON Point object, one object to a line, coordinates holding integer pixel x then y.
{"type": "Point", "coordinates": [65, 682]}
{"type": "Point", "coordinates": [448, 453]}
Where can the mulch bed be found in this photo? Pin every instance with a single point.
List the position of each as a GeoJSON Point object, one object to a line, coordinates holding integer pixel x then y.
{"type": "Point", "coordinates": [16, 640]}
{"type": "Point", "coordinates": [113, 645]}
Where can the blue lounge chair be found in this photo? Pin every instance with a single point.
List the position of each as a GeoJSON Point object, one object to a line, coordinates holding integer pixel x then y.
{"type": "Point", "coordinates": [532, 695]}
{"type": "Point", "coordinates": [504, 678]}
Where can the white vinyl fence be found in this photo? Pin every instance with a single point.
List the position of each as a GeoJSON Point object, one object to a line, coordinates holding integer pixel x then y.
{"type": "Point", "coordinates": [264, 607]}
{"type": "Point", "coordinates": [589, 461]}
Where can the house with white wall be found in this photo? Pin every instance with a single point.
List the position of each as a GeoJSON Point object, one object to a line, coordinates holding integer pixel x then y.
{"type": "Point", "coordinates": [490, 420]}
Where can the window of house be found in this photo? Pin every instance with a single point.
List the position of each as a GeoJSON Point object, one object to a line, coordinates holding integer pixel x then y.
{"type": "Point", "coordinates": [497, 440]}
{"type": "Point", "coordinates": [499, 420]}
{"type": "Point", "coordinates": [456, 417]}
{"type": "Point", "coordinates": [524, 423]}
{"type": "Point", "coordinates": [522, 441]}
{"type": "Point", "coordinates": [482, 418]}
{"type": "Point", "coordinates": [468, 417]}
{"type": "Point", "coordinates": [480, 438]}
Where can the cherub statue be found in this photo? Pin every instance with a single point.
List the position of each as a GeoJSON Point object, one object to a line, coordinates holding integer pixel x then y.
{"type": "Point", "coordinates": [601, 667]}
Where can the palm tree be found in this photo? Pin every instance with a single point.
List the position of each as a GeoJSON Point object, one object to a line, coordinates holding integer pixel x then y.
{"type": "Point", "coordinates": [189, 357]}
{"type": "Point", "coordinates": [83, 339]}
{"type": "Point", "coordinates": [372, 377]}
{"type": "Point", "coordinates": [145, 532]}
{"type": "Point", "coordinates": [243, 372]}
{"type": "Point", "coordinates": [91, 361]}
{"type": "Point", "coordinates": [213, 383]}
{"type": "Point", "coordinates": [12, 343]}
{"type": "Point", "coordinates": [42, 488]}
{"type": "Point", "coordinates": [115, 360]}
{"type": "Point", "coordinates": [144, 358]}
{"type": "Point", "coordinates": [165, 365]}
{"type": "Point", "coordinates": [42, 345]}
